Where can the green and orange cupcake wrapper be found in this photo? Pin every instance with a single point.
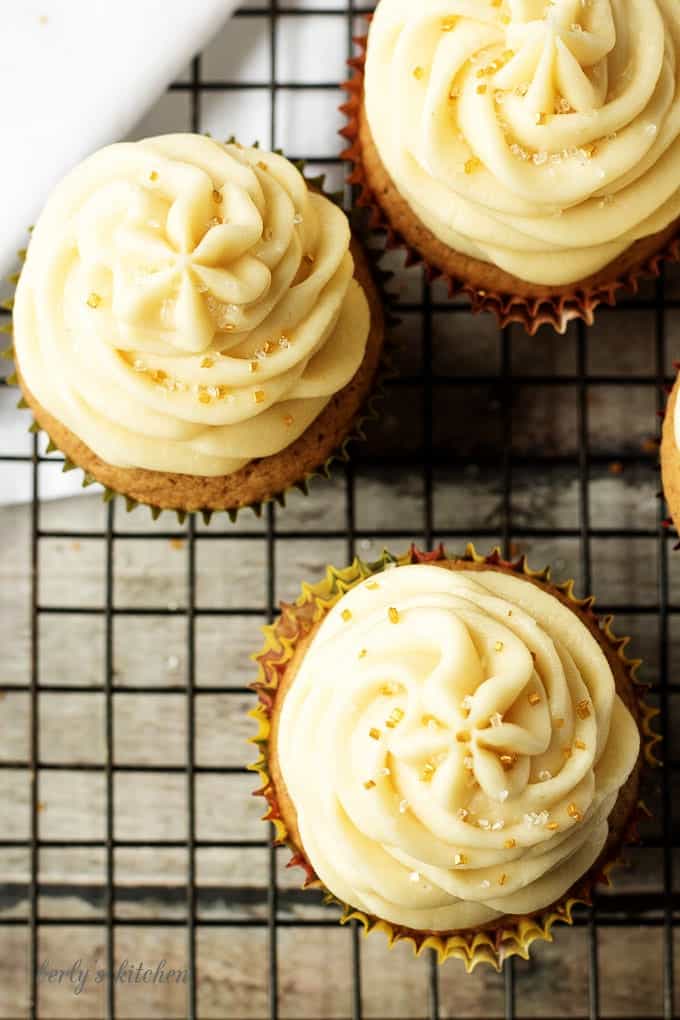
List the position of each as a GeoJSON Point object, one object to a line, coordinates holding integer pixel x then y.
{"type": "Point", "coordinates": [514, 935]}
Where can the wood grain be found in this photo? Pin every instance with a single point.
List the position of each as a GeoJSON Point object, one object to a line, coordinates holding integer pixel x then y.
{"type": "Point", "coordinates": [150, 724]}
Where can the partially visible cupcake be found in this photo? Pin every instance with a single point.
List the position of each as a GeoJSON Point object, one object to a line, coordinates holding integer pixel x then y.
{"type": "Point", "coordinates": [526, 151]}
{"type": "Point", "coordinates": [194, 325]}
{"type": "Point", "coordinates": [670, 454]}
{"type": "Point", "coordinates": [450, 747]}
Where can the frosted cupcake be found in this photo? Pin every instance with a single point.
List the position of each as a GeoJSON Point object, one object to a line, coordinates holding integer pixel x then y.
{"type": "Point", "coordinates": [670, 455]}
{"type": "Point", "coordinates": [194, 325]}
{"type": "Point", "coordinates": [451, 748]}
{"type": "Point", "coordinates": [525, 149]}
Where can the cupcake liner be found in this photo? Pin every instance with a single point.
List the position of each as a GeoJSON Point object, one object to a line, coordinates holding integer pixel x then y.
{"type": "Point", "coordinates": [513, 936]}
{"type": "Point", "coordinates": [532, 312]}
{"type": "Point", "coordinates": [369, 413]}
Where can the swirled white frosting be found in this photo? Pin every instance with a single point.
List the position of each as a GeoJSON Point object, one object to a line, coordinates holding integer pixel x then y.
{"type": "Point", "coordinates": [188, 306]}
{"type": "Point", "coordinates": [453, 745]}
{"type": "Point", "coordinates": [539, 135]}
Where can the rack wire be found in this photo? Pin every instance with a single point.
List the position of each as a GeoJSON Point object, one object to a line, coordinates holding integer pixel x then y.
{"type": "Point", "coordinates": [656, 910]}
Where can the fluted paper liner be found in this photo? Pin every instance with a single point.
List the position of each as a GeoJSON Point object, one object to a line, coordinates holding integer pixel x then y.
{"type": "Point", "coordinates": [510, 936]}
{"type": "Point", "coordinates": [532, 312]}
{"type": "Point", "coordinates": [356, 432]}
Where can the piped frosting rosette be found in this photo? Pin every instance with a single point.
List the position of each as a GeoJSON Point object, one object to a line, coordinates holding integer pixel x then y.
{"type": "Point", "coordinates": [188, 306]}
{"type": "Point", "coordinates": [539, 135]}
{"type": "Point", "coordinates": [453, 745]}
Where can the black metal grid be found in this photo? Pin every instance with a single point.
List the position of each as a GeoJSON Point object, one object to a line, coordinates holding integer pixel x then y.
{"type": "Point", "coordinates": [616, 911]}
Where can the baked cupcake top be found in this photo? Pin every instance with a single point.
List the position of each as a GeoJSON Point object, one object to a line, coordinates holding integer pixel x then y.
{"type": "Point", "coordinates": [538, 135]}
{"type": "Point", "coordinates": [188, 306]}
{"type": "Point", "coordinates": [453, 745]}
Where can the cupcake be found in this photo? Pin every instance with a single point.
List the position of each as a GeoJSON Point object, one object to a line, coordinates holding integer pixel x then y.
{"type": "Point", "coordinates": [450, 747]}
{"type": "Point", "coordinates": [527, 152]}
{"type": "Point", "coordinates": [670, 455]}
{"type": "Point", "coordinates": [195, 326]}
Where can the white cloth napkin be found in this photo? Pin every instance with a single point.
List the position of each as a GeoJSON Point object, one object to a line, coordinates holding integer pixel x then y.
{"type": "Point", "coordinates": [76, 75]}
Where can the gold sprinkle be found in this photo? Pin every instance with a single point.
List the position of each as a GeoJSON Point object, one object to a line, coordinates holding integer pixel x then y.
{"type": "Point", "coordinates": [418, 73]}
{"type": "Point", "coordinates": [374, 734]}
{"type": "Point", "coordinates": [481, 89]}
{"type": "Point", "coordinates": [217, 196]}
{"type": "Point", "coordinates": [158, 375]}
{"type": "Point", "coordinates": [94, 300]}
{"type": "Point", "coordinates": [288, 420]}
{"type": "Point", "coordinates": [395, 718]}
{"type": "Point", "coordinates": [153, 176]}
{"type": "Point", "coordinates": [262, 165]}
{"type": "Point", "coordinates": [207, 363]}
{"type": "Point", "coordinates": [583, 709]}
{"type": "Point", "coordinates": [507, 55]}
{"type": "Point", "coordinates": [369, 784]}
{"type": "Point", "coordinates": [574, 813]}
{"type": "Point", "coordinates": [393, 614]}
{"type": "Point", "coordinates": [558, 724]}
{"type": "Point", "coordinates": [534, 698]}
{"type": "Point", "coordinates": [363, 653]}
{"type": "Point", "coordinates": [510, 844]}
{"type": "Point", "coordinates": [580, 744]}
{"type": "Point", "coordinates": [203, 397]}
{"type": "Point", "coordinates": [253, 366]}
{"type": "Point", "coordinates": [566, 751]}
{"type": "Point", "coordinates": [463, 736]}
{"type": "Point", "coordinates": [372, 586]}
{"type": "Point", "coordinates": [259, 396]}
{"type": "Point", "coordinates": [498, 647]}
{"type": "Point", "coordinates": [346, 615]}
{"type": "Point", "coordinates": [540, 118]}
{"type": "Point", "coordinates": [459, 860]}
{"type": "Point", "coordinates": [427, 775]}
{"type": "Point", "coordinates": [508, 760]}
{"type": "Point", "coordinates": [503, 879]}
{"type": "Point", "coordinates": [388, 690]}
{"type": "Point", "coordinates": [448, 24]}
{"type": "Point", "coordinates": [472, 164]}
{"type": "Point", "coordinates": [553, 826]}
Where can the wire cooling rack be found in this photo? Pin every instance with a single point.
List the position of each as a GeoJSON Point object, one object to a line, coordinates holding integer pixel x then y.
{"type": "Point", "coordinates": [511, 461]}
